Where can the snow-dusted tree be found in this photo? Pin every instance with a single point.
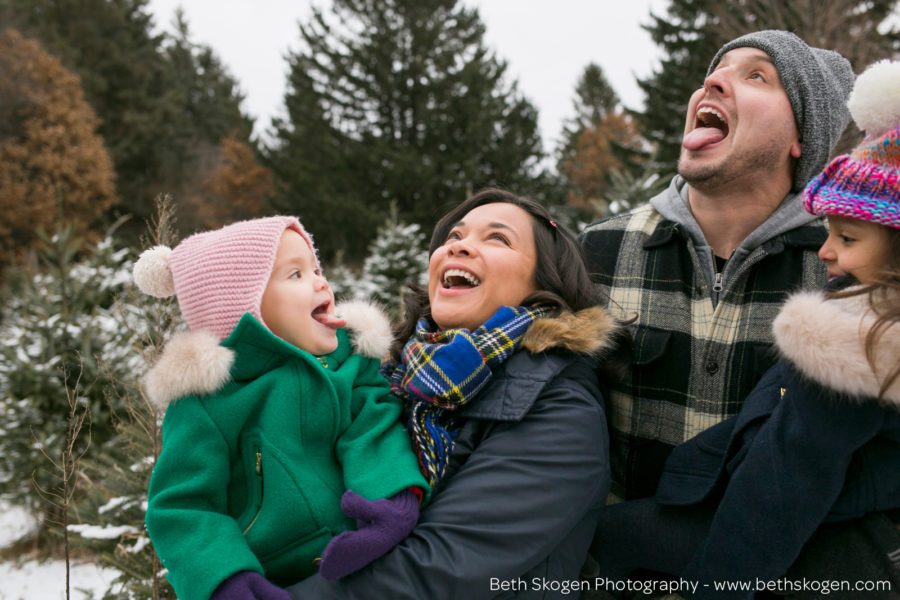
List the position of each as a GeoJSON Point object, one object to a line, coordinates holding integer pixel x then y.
{"type": "Point", "coordinates": [344, 282]}
{"type": "Point", "coordinates": [395, 257]}
{"type": "Point", "coordinates": [114, 510]}
{"type": "Point", "coordinates": [628, 189]}
{"type": "Point", "coordinates": [59, 337]}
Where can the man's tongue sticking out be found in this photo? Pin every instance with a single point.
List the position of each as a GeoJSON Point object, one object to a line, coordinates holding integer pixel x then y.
{"type": "Point", "coordinates": [702, 136]}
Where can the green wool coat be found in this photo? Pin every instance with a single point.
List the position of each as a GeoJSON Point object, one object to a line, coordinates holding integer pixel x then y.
{"type": "Point", "coordinates": [250, 477]}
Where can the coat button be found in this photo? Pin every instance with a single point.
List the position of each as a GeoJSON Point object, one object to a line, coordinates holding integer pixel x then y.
{"type": "Point", "coordinates": [316, 562]}
{"type": "Point", "coordinates": [711, 367]}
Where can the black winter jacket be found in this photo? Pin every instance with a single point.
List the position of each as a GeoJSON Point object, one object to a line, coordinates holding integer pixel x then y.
{"type": "Point", "coordinates": [516, 510]}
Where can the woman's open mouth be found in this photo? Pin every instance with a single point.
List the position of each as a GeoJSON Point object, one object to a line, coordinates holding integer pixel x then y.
{"type": "Point", "coordinates": [457, 278]}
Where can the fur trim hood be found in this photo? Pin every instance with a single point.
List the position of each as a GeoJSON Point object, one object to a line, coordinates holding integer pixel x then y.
{"type": "Point", "coordinates": [825, 340]}
{"type": "Point", "coordinates": [588, 331]}
{"type": "Point", "coordinates": [193, 362]}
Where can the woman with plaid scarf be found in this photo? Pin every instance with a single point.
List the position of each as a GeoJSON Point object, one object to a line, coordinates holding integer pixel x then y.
{"type": "Point", "coordinates": [498, 363]}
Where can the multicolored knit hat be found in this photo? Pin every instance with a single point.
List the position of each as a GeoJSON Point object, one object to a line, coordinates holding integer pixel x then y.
{"type": "Point", "coordinates": [865, 184]}
{"type": "Point", "coordinates": [217, 275]}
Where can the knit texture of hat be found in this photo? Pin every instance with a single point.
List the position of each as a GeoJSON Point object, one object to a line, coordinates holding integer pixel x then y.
{"type": "Point", "coordinates": [817, 83]}
{"type": "Point", "coordinates": [866, 184]}
{"type": "Point", "coordinates": [219, 275]}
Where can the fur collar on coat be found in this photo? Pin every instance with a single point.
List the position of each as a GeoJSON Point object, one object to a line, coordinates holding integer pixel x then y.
{"type": "Point", "coordinates": [588, 331]}
{"type": "Point", "coordinates": [194, 362]}
{"type": "Point", "coordinates": [825, 339]}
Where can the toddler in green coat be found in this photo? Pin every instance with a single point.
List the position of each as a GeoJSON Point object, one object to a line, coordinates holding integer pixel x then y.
{"type": "Point", "coordinates": [278, 429]}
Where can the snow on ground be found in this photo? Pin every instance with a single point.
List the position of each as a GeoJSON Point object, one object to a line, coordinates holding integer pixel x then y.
{"type": "Point", "coordinates": [14, 523]}
{"type": "Point", "coordinates": [33, 580]}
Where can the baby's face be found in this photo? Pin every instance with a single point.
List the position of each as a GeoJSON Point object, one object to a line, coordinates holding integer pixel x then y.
{"type": "Point", "coordinates": [298, 305]}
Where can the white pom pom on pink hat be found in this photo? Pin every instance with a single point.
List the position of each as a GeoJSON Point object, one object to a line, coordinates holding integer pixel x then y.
{"type": "Point", "coordinates": [217, 275]}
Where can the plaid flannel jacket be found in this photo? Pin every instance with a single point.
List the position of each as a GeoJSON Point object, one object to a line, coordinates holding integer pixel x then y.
{"type": "Point", "coordinates": [695, 360]}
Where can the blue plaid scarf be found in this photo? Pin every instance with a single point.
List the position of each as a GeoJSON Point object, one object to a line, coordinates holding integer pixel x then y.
{"type": "Point", "coordinates": [441, 371]}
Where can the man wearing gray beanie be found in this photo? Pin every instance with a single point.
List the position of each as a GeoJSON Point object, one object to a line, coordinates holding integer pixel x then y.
{"type": "Point", "coordinates": [702, 270]}
{"type": "Point", "coordinates": [704, 266]}
{"type": "Point", "coordinates": [817, 83]}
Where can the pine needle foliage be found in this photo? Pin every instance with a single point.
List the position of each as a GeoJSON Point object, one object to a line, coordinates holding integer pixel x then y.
{"type": "Point", "coordinates": [114, 511]}
{"type": "Point", "coordinates": [56, 335]}
{"type": "Point", "coordinates": [396, 100]}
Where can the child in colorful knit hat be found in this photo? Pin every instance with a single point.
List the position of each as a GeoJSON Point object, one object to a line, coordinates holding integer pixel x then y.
{"type": "Point", "coordinates": [279, 429]}
{"type": "Point", "coordinates": [818, 439]}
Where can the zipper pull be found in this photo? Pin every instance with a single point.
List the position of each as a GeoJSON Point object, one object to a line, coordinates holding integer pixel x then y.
{"type": "Point", "coordinates": [259, 463]}
{"type": "Point", "coordinates": [717, 286]}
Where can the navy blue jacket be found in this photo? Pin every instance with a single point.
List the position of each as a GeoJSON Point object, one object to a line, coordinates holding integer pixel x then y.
{"type": "Point", "coordinates": [514, 514]}
{"type": "Point", "coordinates": [811, 444]}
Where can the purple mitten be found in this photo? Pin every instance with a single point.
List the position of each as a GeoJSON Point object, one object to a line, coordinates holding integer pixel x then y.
{"type": "Point", "coordinates": [381, 525]}
{"type": "Point", "coordinates": [248, 585]}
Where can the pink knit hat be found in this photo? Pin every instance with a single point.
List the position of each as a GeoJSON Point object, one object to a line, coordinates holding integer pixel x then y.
{"type": "Point", "coordinates": [217, 275]}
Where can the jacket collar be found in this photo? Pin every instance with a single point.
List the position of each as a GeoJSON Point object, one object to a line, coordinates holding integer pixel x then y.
{"type": "Point", "coordinates": [549, 342]}
{"type": "Point", "coordinates": [789, 225]}
{"type": "Point", "coordinates": [825, 340]}
{"type": "Point", "coordinates": [588, 331]}
{"type": "Point", "coordinates": [195, 363]}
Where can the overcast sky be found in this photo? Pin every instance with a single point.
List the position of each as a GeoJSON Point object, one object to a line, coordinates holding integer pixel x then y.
{"type": "Point", "coordinates": [546, 43]}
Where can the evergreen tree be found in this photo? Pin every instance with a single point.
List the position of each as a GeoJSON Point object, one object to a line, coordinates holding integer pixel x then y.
{"type": "Point", "coordinates": [628, 189]}
{"type": "Point", "coordinates": [692, 31]}
{"type": "Point", "coordinates": [53, 165]}
{"type": "Point", "coordinates": [124, 74]}
{"type": "Point", "coordinates": [344, 282]}
{"type": "Point", "coordinates": [863, 31]}
{"type": "Point", "coordinates": [59, 336]}
{"type": "Point", "coordinates": [689, 41]}
{"type": "Point", "coordinates": [599, 139]}
{"type": "Point", "coordinates": [239, 188]}
{"type": "Point", "coordinates": [594, 99]}
{"type": "Point", "coordinates": [397, 256]}
{"type": "Point", "coordinates": [206, 135]}
{"type": "Point", "coordinates": [590, 169]}
{"type": "Point", "coordinates": [396, 100]}
{"type": "Point", "coordinates": [311, 167]}
{"type": "Point", "coordinates": [114, 511]}
{"type": "Point", "coordinates": [166, 103]}
{"type": "Point", "coordinates": [209, 96]}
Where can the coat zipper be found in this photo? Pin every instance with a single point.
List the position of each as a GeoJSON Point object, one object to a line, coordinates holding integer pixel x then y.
{"type": "Point", "coordinates": [717, 286]}
{"type": "Point", "coordinates": [717, 283]}
{"type": "Point", "coordinates": [259, 474]}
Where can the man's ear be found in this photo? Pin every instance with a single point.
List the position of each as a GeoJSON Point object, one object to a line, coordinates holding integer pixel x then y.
{"type": "Point", "coordinates": [796, 149]}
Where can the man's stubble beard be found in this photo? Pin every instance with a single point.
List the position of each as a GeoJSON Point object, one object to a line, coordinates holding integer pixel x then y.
{"type": "Point", "coordinates": [759, 162]}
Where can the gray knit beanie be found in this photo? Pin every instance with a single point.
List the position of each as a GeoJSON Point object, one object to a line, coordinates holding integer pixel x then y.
{"type": "Point", "coordinates": [817, 83]}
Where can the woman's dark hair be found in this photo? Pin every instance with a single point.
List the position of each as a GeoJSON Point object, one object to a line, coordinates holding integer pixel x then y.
{"type": "Point", "coordinates": [561, 273]}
